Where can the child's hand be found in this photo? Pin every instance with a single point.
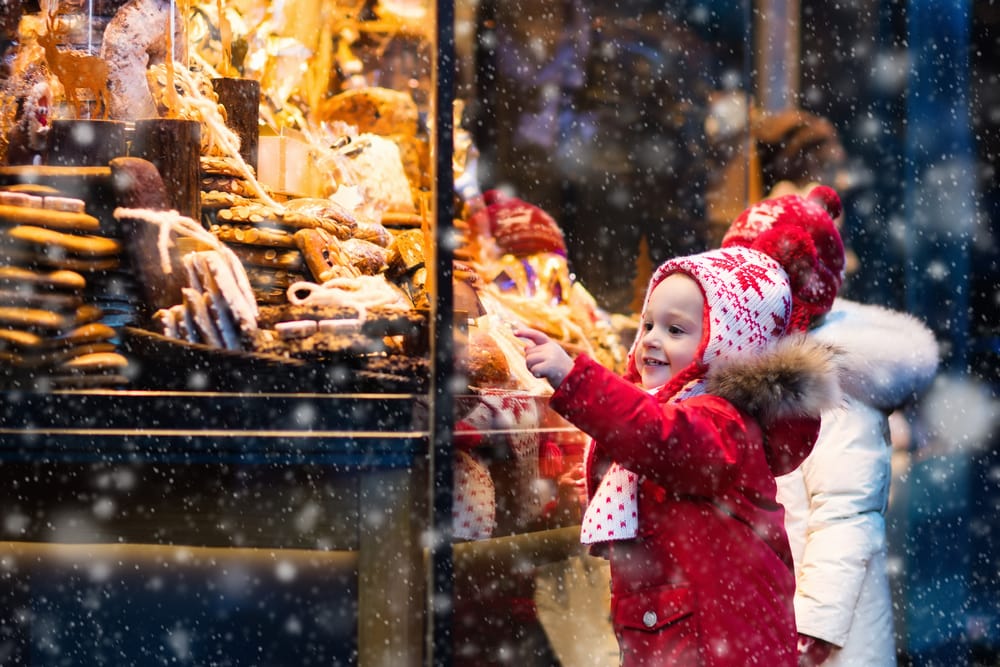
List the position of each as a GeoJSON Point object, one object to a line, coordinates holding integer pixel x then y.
{"type": "Point", "coordinates": [812, 651]}
{"type": "Point", "coordinates": [545, 357]}
{"type": "Point", "coordinates": [572, 486]}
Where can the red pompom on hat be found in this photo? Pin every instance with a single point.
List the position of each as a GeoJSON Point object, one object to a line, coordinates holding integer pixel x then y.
{"type": "Point", "coordinates": [800, 233]}
{"type": "Point", "coordinates": [518, 227]}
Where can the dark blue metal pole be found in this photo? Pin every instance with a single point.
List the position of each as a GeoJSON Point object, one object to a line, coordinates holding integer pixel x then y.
{"type": "Point", "coordinates": [940, 217]}
{"type": "Point", "coordinates": [940, 172]}
{"type": "Point", "coordinates": [441, 585]}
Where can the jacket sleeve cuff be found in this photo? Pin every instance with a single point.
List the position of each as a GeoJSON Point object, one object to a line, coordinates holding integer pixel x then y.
{"type": "Point", "coordinates": [565, 399]}
{"type": "Point", "coordinates": [809, 621]}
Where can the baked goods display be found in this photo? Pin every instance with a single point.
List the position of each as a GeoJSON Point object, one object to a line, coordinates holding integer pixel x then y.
{"type": "Point", "coordinates": [324, 290]}
{"type": "Point", "coordinates": [301, 266]}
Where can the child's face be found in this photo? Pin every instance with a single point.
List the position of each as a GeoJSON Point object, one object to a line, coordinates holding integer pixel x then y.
{"type": "Point", "coordinates": [671, 330]}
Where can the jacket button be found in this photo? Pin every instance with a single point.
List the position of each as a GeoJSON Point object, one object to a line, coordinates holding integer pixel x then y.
{"type": "Point", "coordinates": [649, 619]}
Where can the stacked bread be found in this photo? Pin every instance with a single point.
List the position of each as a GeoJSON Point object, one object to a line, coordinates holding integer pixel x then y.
{"type": "Point", "coordinates": [303, 240]}
{"type": "Point", "coordinates": [51, 332]}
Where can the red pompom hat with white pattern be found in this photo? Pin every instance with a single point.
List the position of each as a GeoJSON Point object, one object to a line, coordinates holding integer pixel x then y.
{"type": "Point", "coordinates": [801, 234]}
{"type": "Point", "coordinates": [753, 298]}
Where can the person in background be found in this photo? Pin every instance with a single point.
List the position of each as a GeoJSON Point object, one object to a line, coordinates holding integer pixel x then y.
{"type": "Point", "coordinates": [717, 399]}
{"type": "Point", "coordinates": [835, 502]}
{"type": "Point", "coordinates": [594, 111]}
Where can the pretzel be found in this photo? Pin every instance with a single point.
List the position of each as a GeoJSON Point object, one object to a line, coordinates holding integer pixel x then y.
{"type": "Point", "coordinates": [255, 236]}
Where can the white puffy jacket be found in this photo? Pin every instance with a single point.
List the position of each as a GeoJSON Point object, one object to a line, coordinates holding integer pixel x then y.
{"type": "Point", "coordinates": [835, 502]}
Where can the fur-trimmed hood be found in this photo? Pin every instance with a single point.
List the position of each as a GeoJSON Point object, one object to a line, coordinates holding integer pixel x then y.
{"type": "Point", "coordinates": [795, 377]}
{"type": "Point", "coordinates": [791, 381]}
{"type": "Point", "coordinates": [885, 358]}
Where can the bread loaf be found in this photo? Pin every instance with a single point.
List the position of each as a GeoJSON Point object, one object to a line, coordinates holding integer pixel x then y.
{"type": "Point", "coordinates": [376, 110]}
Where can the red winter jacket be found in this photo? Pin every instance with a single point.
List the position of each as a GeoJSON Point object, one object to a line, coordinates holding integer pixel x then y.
{"type": "Point", "coordinates": [708, 580]}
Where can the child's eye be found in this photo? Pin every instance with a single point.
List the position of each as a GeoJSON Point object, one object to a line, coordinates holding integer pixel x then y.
{"type": "Point", "coordinates": [676, 330]}
{"type": "Point", "coordinates": [647, 326]}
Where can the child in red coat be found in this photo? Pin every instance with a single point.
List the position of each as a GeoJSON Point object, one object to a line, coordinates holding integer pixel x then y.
{"type": "Point", "coordinates": [717, 400]}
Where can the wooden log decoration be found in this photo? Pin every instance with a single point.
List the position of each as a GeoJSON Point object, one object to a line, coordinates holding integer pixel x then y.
{"type": "Point", "coordinates": [85, 143]}
{"type": "Point", "coordinates": [241, 100]}
{"type": "Point", "coordinates": [173, 145]}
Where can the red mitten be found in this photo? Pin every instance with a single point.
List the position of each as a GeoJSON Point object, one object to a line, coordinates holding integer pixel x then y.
{"type": "Point", "coordinates": [550, 460]}
{"type": "Point", "coordinates": [467, 436]}
{"type": "Point", "coordinates": [813, 651]}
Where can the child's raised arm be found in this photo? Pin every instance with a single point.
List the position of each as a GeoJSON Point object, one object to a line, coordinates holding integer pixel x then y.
{"type": "Point", "coordinates": [545, 357]}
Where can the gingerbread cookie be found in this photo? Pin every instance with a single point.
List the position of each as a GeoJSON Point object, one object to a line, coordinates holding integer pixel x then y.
{"type": "Point", "coordinates": [36, 189]}
{"type": "Point", "coordinates": [216, 200]}
{"type": "Point", "coordinates": [220, 165]}
{"type": "Point", "coordinates": [49, 258]}
{"type": "Point", "coordinates": [227, 184]}
{"type": "Point", "coordinates": [51, 322]}
{"type": "Point", "coordinates": [88, 370]}
{"type": "Point", "coordinates": [46, 300]}
{"type": "Point", "coordinates": [261, 215]}
{"type": "Point", "coordinates": [19, 278]}
{"type": "Point", "coordinates": [54, 242]}
{"type": "Point", "coordinates": [19, 339]}
{"type": "Point", "coordinates": [68, 221]}
{"type": "Point", "coordinates": [46, 358]}
{"type": "Point", "coordinates": [269, 258]}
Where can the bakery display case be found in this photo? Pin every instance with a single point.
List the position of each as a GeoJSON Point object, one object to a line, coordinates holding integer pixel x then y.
{"type": "Point", "coordinates": [242, 419]}
{"type": "Point", "coordinates": [261, 403]}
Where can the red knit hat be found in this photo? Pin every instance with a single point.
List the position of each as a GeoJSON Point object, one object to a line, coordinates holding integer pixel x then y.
{"type": "Point", "coordinates": [800, 233]}
{"type": "Point", "coordinates": [518, 227]}
{"type": "Point", "coordinates": [748, 305]}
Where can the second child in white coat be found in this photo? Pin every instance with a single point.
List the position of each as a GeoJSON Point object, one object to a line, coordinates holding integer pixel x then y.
{"type": "Point", "coordinates": [835, 502]}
